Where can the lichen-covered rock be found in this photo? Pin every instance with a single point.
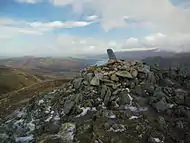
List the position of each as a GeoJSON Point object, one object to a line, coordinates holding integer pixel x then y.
{"type": "Point", "coordinates": [67, 132]}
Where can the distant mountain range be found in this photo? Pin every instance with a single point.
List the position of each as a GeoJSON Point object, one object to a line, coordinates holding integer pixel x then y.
{"type": "Point", "coordinates": [138, 55]}
{"type": "Point", "coordinates": [180, 59]}
{"type": "Point", "coordinates": [48, 66]}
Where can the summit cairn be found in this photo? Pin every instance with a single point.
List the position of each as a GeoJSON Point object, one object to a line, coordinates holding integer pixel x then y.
{"type": "Point", "coordinates": [118, 102]}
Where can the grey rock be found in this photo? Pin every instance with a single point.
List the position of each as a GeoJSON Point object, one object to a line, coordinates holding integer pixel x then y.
{"type": "Point", "coordinates": [77, 82]}
{"type": "Point", "coordinates": [52, 139]}
{"type": "Point", "coordinates": [107, 126]}
{"type": "Point", "coordinates": [180, 125]}
{"type": "Point", "coordinates": [52, 128]}
{"type": "Point", "coordinates": [151, 78]}
{"type": "Point", "coordinates": [124, 98]}
{"type": "Point", "coordinates": [180, 96]}
{"type": "Point", "coordinates": [138, 90]}
{"type": "Point", "coordinates": [89, 76]}
{"type": "Point", "coordinates": [161, 105]}
{"type": "Point", "coordinates": [124, 74]}
{"type": "Point", "coordinates": [108, 114]}
{"type": "Point", "coordinates": [107, 81]}
{"type": "Point", "coordinates": [187, 101]}
{"type": "Point", "coordinates": [95, 81]}
{"type": "Point", "coordinates": [99, 76]}
{"type": "Point", "coordinates": [3, 137]}
{"type": "Point", "coordinates": [107, 96]}
{"type": "Point", "coordinates": [68, 106]}
{"type": "Point", "coordinates": [134, 72]}
{"type": "Point", "coordinates": [159, 94]}
{"type": "Point", "coordinates": [78, 98]}
{"type": "Point", "coordinates": [98, 141]}
{"type": "Point", "coordinates": [103, 91]}
{"type": "Point", "coordinates": [162, 122]}
{"type": "Point", "coordinates": [114, 77]}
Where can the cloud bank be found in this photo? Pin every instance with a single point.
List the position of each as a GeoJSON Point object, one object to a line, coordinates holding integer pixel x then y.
{"type": "Point", "coordinates": [165, 17]}
{"type": "Point", "coordinates": [167, 22]}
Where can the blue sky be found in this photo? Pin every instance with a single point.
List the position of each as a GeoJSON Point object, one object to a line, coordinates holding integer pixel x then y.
{"type": "Point", "coordinates": [74, 27]}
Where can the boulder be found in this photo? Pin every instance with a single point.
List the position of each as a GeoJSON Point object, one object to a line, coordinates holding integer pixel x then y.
{"type": "Point", "coordinates": [124, 74]}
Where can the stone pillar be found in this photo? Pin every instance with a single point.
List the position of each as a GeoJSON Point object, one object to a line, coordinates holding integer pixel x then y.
{"type": "Point", "coordinates": [111, 54]}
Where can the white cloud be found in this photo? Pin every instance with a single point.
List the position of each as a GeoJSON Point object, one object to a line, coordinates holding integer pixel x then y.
{"type": "Point", "coordinates": [28, 1]}
{"type": "Point", "coordinates": [175, 42]}
{"type": "Point", "coordinates": [80, 45]}
{"type": "Point", "coordinates": [155, 37]}
{"type": "Point", "coordinates": [11, 27]}
{"type": "Point", "coordinates": [46, 26]}
{"type": "Point", "coordinates": [158, 15]}
{"type": "Point", "coordinates": [68, 45]}
{"type": "Point", "coordinates": [62, 2]}
{"type": "Point", "coordinates": [92, 18]}
{"type": "Point", "coordinates": [166, 17]}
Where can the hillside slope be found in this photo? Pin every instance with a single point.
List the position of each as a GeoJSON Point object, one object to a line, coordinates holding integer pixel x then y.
{"type": "Point", "coordinates": [12, 79]}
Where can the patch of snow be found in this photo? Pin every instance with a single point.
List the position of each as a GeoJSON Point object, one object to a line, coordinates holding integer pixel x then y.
{"type": "Point", "coordinates": [31, 125]}
{"type": "Point", "coordinates": [135, 109]}
{"type": "Point", "coordinates": [63, 113]}
{"type": "Point", "coordinates": [157, 140]}
{"type": "Point", "coordinates": [131, 99]}
{"type": "Point", "coordinates": [116, 105]}
{"type": "Point", "coordinates": [133, 117]}
{"type": "Point", "coordinates": [56, 118]}
{"type": "Point", "coordinates": [24, 139]}
{"type": "Point", "coordinates": [19, 122]}
{"type": "Point", "coordinates": [99, 99]}
{"type": "Point", "coordinates": [53, 91]}
{"type": "Point", "coordinates": [171, 105]}
{"type": "Point", "coordinates": [127, 89]}
{"type": "Point", "coordinates": [132, 108]}
{"type": "Point", "coordinates": [40, 102]}
{"type": "Point", "coordinates": [48, 109]}
{"type": "Point", "coordinates": [112, 116]}
{"type": "Point", "coordinates": [122, 129]}
{"type": "Point", "coordinates": [49, 118]}
{"type": "Point", "coordinates": [143, 109]}
{"type": "Point", "coordinates": [84, 112]}
{"type": "Point", "coordinates": [20, 113]}
{"type": "Point", "coordinates": [103, 105]}
{"type": "Point", "coordinates": [93, 109]}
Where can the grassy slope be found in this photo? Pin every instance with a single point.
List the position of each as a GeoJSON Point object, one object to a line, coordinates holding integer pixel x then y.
{"type": "Point", "coordinates": [14, 100]}
{"type": "Point", "coordinates": [13, 79]}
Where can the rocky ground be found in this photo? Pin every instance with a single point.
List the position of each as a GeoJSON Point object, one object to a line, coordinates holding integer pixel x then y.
{"type": "Point", "coordinates": [119, 102]}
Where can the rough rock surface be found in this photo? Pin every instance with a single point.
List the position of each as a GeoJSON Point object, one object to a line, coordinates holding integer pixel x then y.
{"type": "Point", "coordinates": [119, 102]}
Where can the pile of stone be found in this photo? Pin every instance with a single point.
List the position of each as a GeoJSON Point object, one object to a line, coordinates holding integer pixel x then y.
{"type": "Point", "coordinates": [119, 102]}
